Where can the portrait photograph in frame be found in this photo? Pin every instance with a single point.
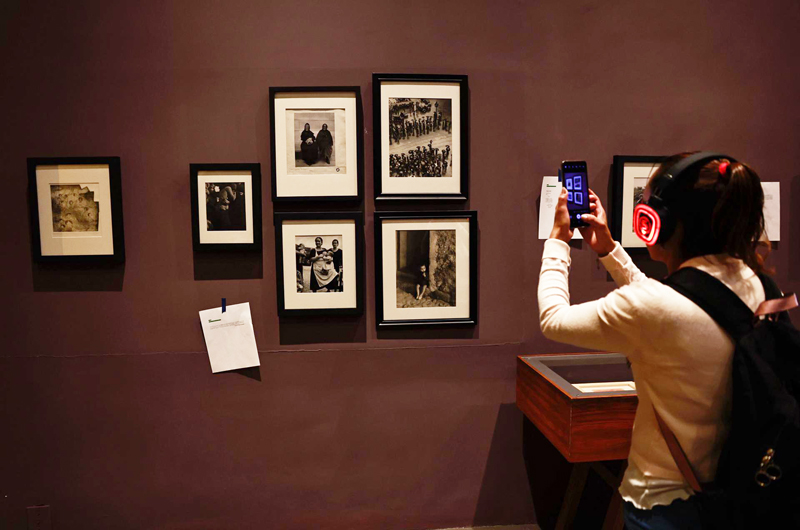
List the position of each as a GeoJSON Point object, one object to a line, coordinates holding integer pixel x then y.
{"type": "Point", "coordinates": [629, 179]}
{"type": "Point", "coordinates": [325, 251]}
{"type": "Point", "coordinates": [226, 206]}
{"type": "Point", "coordinates": [76, 209]}
{"type": "Point", "coordinates": [316, 143]}
{"type": "Point", "coordinates": [421, 136]}
{"type": "Point", "coordinates": [426, 268]}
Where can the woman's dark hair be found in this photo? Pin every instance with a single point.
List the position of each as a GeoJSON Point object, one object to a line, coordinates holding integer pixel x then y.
{"type": "Point", "coordinates": [721, 208]}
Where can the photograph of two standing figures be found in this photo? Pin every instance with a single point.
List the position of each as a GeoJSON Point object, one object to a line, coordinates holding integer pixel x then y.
{"type": "Point", "coordinates": [314, 140]}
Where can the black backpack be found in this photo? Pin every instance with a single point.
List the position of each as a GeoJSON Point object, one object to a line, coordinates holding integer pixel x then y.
{"type": "Point", "coordinates": [758, 478]}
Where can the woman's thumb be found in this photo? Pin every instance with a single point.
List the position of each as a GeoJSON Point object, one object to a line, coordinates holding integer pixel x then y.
{"type": "Point", "coordinates": [591, 220]}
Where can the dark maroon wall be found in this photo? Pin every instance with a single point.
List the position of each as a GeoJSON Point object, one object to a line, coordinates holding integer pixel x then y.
{"type": "Point", "coordinates": [108, 409]}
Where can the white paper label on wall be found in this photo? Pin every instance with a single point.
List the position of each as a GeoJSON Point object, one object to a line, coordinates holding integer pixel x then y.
{"type": "Point", "coordinates": [230, 339]}
{"type": "Point", "coordinates": [551, 188]}
{"type": "Point", "coordinates": [772, 210]}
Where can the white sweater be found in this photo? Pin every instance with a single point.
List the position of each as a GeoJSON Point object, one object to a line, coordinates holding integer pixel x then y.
{"type": "Point", "coordinates": [680, 357]}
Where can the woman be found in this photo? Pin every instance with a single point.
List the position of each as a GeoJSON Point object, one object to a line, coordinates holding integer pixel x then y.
{"type": "Point", "coordinates": [681, 360]}
{"type": "Point", "coordinates": [308, 146]}
{"type": "Point", "coordinates": [322, 273]}
{"type": "Point", "coordinates": [225, 198]}
{"type": "Point", "coordinates": [337, 255]}
{"type": "Point", "coordinates": [325, 143]}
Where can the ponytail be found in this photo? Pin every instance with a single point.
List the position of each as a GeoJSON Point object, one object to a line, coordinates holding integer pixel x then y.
{"type": "Point", "coordinates": [738, 217]}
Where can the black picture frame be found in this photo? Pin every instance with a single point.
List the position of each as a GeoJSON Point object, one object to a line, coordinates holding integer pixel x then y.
{"type": "Point", "coordinates": [279, 218]}
{"type": "Point", "coordinates": [255, 171]}
{"type": "Point", "coordinates": [115, 199]}
{"type": "Point", "coordinates": [472, 318]}
{"type": "Point", "coordinates": [359, 138]}
{"type": "Point", "coordinates": [620, 201]}
{"type": "Point", "coordinates": [378, 80]}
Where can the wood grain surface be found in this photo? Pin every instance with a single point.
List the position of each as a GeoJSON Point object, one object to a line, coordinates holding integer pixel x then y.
{"type": "Point", "coordinates": [584, 429]}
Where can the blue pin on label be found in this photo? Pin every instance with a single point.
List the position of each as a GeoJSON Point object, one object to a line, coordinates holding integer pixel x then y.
{"type": "Point", "coordinates": [223, 305]}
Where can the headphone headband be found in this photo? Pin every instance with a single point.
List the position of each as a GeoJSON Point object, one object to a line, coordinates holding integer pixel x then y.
{"type": "Point", "coordinates": [669, 177]}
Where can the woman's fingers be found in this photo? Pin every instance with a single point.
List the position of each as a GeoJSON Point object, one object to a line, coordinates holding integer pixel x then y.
{"type": "Point", "coordinates": [591, 220]}
{"type": "Point", "coordinates": [561, 204]}
{"type": "Point", "coordinates": [596, 204]}
{"type": "Point", "coordinates": [561, 229]}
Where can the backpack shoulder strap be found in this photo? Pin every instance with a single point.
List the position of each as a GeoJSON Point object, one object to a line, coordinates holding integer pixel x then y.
{"type": "Point", "coordinates": [771, 289]}
{"type": "Point", "coordinates": [776, 303]}
{"type": "Point", "coordinates": [713, 297]}
{"type": "Point", "coordinates": [675, 449]}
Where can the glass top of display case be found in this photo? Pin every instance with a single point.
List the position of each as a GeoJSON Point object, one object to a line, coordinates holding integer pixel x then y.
{"type": "Point", "coordinates": [586, 375]}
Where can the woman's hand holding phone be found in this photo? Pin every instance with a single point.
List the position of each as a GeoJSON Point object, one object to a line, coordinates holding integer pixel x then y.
{"type": "Point", "coordinates": [596, 234]}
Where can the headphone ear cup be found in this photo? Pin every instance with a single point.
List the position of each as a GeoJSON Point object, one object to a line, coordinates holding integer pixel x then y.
{"type": "Point", "coordinates": [646, 223]}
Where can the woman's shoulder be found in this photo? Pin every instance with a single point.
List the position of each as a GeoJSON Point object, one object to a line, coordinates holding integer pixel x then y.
{"type": "Point", "coordinates": [650, 298]}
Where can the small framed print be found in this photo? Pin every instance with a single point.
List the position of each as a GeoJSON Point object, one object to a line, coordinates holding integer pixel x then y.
{"type": "Point", "coordinates": [316, 147]}
{"type": "Point", "coordinates": [426, 268]}
{"type": "Point", "coordinates": [226, 206]}
{"type": "Point", "coordinates": [630, 177]}
{"type": "Point", "coordinates": [76, 209]}
{"type": "Point", "coordinates": [421, 128]}
{"type": "Point", "coordinates": [325, 251]}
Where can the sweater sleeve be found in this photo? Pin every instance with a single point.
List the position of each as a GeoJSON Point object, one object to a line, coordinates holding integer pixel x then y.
{"type": "Point", "coordinates": [620, 266]}
{"type": "Point", "coordinates": [612, 323]}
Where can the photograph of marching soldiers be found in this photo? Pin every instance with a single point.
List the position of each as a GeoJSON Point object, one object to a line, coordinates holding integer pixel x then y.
{"type": "Point", "coordinates": [314, 138]}
{"type": "Point", "coordinates": [225, 209]}
{"type": "Point", "coordinates": [420, 137]}
{"type": "Point", "coordinates": [426, 268]}
{"type": "Point", "coordinates": [319, 264]}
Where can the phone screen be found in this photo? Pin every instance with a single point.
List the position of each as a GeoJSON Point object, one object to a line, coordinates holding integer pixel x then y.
{"type": "Point", "coordinates": [574, 179]}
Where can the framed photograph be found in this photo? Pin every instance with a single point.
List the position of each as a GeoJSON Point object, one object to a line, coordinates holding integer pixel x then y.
{"type": "Point", "coordinates": [76, 209]}
{"type": "Point", "coordinates": [630, 176]}
{"type": "Point", "coordinates": [421, 128]}
{"type": "Point", "coordinates": [226, 206]}
{"type": "Point", "coordinates": [426, 268]}
{"type": "Point", "coordinates": [316, 148]}
{"type": "Point", "coordinates": [326, 252]}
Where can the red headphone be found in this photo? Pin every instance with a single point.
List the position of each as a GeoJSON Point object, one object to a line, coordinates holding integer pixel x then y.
{"type": "Point", "coordinates": [652, 220]}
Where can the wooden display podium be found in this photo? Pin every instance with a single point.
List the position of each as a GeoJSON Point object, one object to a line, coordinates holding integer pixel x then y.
{"type": "Point", "coordinates": [584, 404]}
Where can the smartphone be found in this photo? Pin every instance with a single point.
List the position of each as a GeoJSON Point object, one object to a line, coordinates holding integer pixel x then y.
{"type": "Point", "coordinates": [572, 175]}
